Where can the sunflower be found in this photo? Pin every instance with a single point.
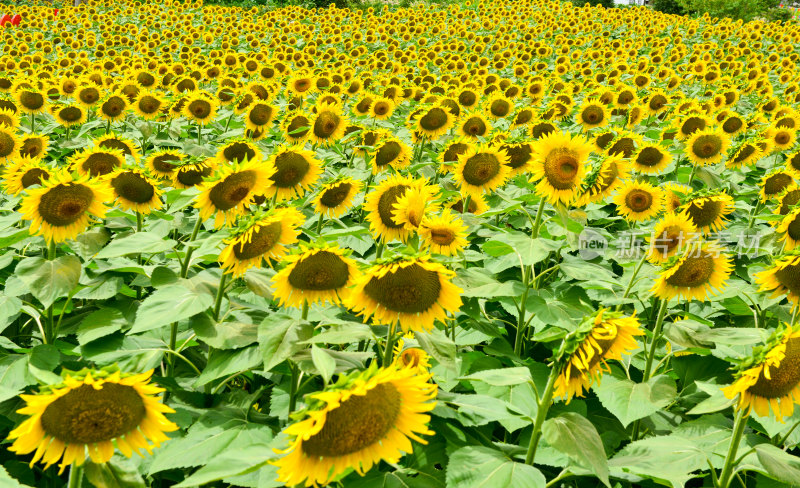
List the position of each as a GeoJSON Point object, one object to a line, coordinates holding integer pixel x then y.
{"type": "Point", "coordinates": [228, 194]}
{"type": "Point", "coordinates": [746, 154]}
{"type": "Point", "coordinates": [260, 115]}
{"type": "Point", "coordinates": [8, 118]}
{"type": "Point", "coordinates": [262, 236]}
{"type": "Point", "coordinates": [317, 274]}
{"type": "Point", "coordinates": [476, 206]}
{"type": "Point", "coordinates": [237, 151]}
{"type": "Point", "coordinates": [540, 128]}
{"type": "Point", "coordinates": [770, 377]}
{"type": "Point", "coordinates": [296, 127]}
{"type": "Point", "coordinates": [379, 205]}
{"type": "Point", "coordinates": [671, 235]}
{"type": "Point", "coordinates": [410, 356]}
{"type": "Point", "coordinates": [520, 156]}
{"type": "Point", "coordinates": [443, 234]}
{"type": "Point", "coordinates": [775, 183]}
{"type": "Point", "coordinates": [639, 201]}
{"type": "Point", "coordinates": [62, 208]}
{"type": "Point", "coordinates": [657, 102]}
{"type": "Point", "coordinates": [651, 159]}
{"type": "Point", "coordinates": [336, 197]}
{"type": "Point", "coordinates": [781, 138]}
{"type": "Point", "coordinates": [10, 144]}
{"type": "Point", "coordinates": [787, 200]}
{"type": "Point", "coordinates": [134, 190]}
{"type": "Point", "coordinates": [191, 175]}
{"type": "Point", "coordinates": [706, 147]}
{"type": "Point", "coordinates": [113, 141]}
{"type": "Point", "coordinates": [560, 165]}
{"type": "Point", "coordinates": [592, 114]}
{"type": "Point", "coordinates": [34, 146]}
{"type": "Point", "coordinates": [164, 163]}
{"type": "Point", "coordinates": [473, 125]}
{"type": "Point", "coordinates": [674, 194]}
{"type": "Point", "coordinates": [433, 122]}
{"type": "Point", "coordinates": [88, 94]}
{"type": "Point", "coordinates": [604, 180]}
{"type": "Point", "coordinates": [200, 108]}
{"type": "Point", "coordinates": [411, 291]}
{"type": "Point", "coordinates": [114, 107]}
{"type": "Point", "coordinates": [148, 105]}
{"type": "Point", "coordinates": [24, 173]}
{"type": "Point", "coordinates": [296, 169]}
{"type": "Point", "coordinates": [733, 125]}
{"type": "Point", "coordinates": [708, 210]}
{"type": "Point", "coordinates": [328, 125]}
{"type": "Point", "coordinates": [69, 115]}
{"type": "Point", "coordinates": [601, 337]}
{"type": "Point", "coordinates": [690, 124]}
{"type": "Point", "coordinates": [95, 161]}
{"type": "Point", "coordinates": [793, 161]}
{"type": "Point", "coordinates": [301, 85]}
{"type": "Point", "coordinates": [624, 145]}
{"type": "Point", "coordinates": [381, 108]}
{"type": "Point", "coordinates": [389, 150]}
{"type": "Point", "coordinates": [790, 228]}
{"type": "Point", "coordinates": [498, 106]}
{"type": "Point", "coordinates": [696, 273]}
{"type": "Point", "coordinates": [411, 208]}
{"type": "Point", "coordinates": [363, 418]}
{"type": "Point", "coordinates": [94, 411]}
{"type": "Point", "coordinates": [30, 100]}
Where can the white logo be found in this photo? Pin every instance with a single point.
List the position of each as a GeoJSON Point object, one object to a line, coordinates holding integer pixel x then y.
{"type": "Point", "coordinates": [591, 244]}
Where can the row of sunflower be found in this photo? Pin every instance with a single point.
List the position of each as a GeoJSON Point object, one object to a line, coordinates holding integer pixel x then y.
{"type": "Point", "coordinates": [412, 190]}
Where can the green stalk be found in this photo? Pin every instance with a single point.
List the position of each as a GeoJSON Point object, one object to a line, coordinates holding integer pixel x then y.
{"type": "Point", "coordinates": [190, 250]}
{"type": "Point", "coordinates": [319, 224]}
{"type": "Point", "coordinates": [108, 126]}
{"type": "Point", "coordinates": [387, 353]}
{"type": "Point", "coordinates": [633, 278]}
{"type": "Point", "coordinates": [199, 133]}
{"type": "Point", "coordinates": [738, 429]}
{"type": "Point", "coordinates": [304, 314]}
{"type": "Point", "coordinates": [691, 176]}
{"type": "Point", "coordinates": [656, 335]}
{"type": "Point", "coordinates": [75, 476]}
{"type": "Point", "coordinates": [220, 294]}
{"type": "Point", "coordinates": [544, 406]}
{"type": "Point", "coordinates": [538, 222]}
{"type": "Point", "coordinates": [465, 202]}
{"type": "Point", "coordinates": [50, 323]}
{"type": "Point", "coordinates": [293, 386]}
{"type": "Point", "coordinates": [139, 225]}
{"type": "Point", "coordinates": [379, 251]}
{"type": "Point", "coordinates": [521, 323]}
{"type": "Point", "coordinates": [32, 122]}
{"type": "Point", "coordinates": [752, 218]}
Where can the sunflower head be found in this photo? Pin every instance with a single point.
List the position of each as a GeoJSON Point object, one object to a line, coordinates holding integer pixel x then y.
{"type": "Point", "coordinates": [336, 197]}
{"type": "Point", "coordinates": [707, 209]}
{"type": "Point", "coordinates": [24, 173]}
{"type": "Point", "coordinates": [782, 277]}
{"type": "Point", "coordinates": [327, 125]}
{"type": "Point", "coordinates": [295, 170]}
{"type": "Point", "coordinates": [600, 337]}
{"type": "Point", "coordinates": [444, 234]}
{"type": "Point", "coordinates": [10, 144]}
{"type": "Point", "coordinates": [651, 159]}
{"type": "Point", "coordinates": [482, 169]}
{"type": "Point", "coordinates": [696, 273]}
{"type": "Point", "coordinates": [135, 190]}
{"type": "Point", "coordinates": [776, 182]}
{"type": "Point", "coordinates": [318, 273]}
{"type": "Point", "coordinates": [559, 165]}
{"type": "Point", "coordinates": [232, 189]}
{"type": "Point", "coordinates": [638, 201]}
{"type": "Point", "coordinates": [706, 147]}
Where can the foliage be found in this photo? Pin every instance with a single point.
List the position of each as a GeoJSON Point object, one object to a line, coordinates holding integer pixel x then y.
{"type": "Point", "coordinates": [668, 6]}
{"type": "Point", "coordinates": [736, 9]}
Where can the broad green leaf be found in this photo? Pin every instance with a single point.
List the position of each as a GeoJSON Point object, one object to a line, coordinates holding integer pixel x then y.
{"type": "Point", "coordinates": [323, 361]}
{"type": "Point", "coordinates": [345, 333]}
{"type": "Point", "coordinates": [576, 436]}
{"type": "Point", "coordinates": [49, 280]}
{"type": "Point", "coordinates": [162, 276]}
{"type": "Point", "coordinates": [9, 308]}
{"type": "Point", "coordinates": [280, 336]}
{"type": "Point", "coordinates": [629, 401]}
{"type": "Point", "coordinates": [137, 243]}
{"type": "Point", "coordinates": [440, 347]}
{"type": "Point", "coordinates": [104, 287]}
{"type": "Point", "coordinates": [100, 323]}
{"type": "Point", "coordinates": [483, 467]}
{"type": "Point", "coordinates": [14, 375]}
{"type": "Point", "coordinates": [478, 409]}
{"type": "Point", "coordinates": [733, 335]}
{"type": "Point", "coordinates": [170, 304]}
{"type": "Point", "coordinates": [232, 333]}
{"type": "Point", "coordinates": [502, 377]}
{"type": "Point", "coordinates": [666, 459]}
{"type": "Point", "coordinates": [119, 472]}
{"type": "Point", "coordinates": [779, 464]}
{"type": "Point", "coordinates": [90, 242]}
{"type": "Point", "coordinates": [229, 361]}
{"type": "Point", "coordinates": [7, 481]}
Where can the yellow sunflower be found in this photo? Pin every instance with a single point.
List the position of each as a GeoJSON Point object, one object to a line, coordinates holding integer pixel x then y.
{"type": "Point", "coordinates": [600, 338]}
{"type": "Point", "coordinates": [336, 197]}
{"type": "Point", "coordinates": [707, 146]}
{"type": "Point", "coordinates": [651, 159]}
{"type": "Point", "coordinates": [433, 121]}
{"type": "Point", "coordinates": [148, 105]}
{"type": "Point", "coordinates": [776, 182]}
{"type": "Point", "coordinates": [592, 114]}
{"type": "Point", "coordinates": [481, 169]}
{"type": "Point", "coordinates": [746, 154]}
{"type": "Point", "coordinates": [473, 125]}
{"type": "Point", "coordinates": [389, 151]}
{"type": "Point", "coordinates": [164, 163]}
{"type": "Point", "coordinates": [789, 227]}
{"type": "Point", "coordinates": [238, 150]}
{"type": "Point", "coordinates": [34, 146]}
{"type": "Point", "coordinates": [296, 127]}
{"type": "Point", "coordinates": [10, 143]}
{"type": "Point", "coordinates": [25, 172]}
{"type": "Point", "coordinates": [381, 108]}
{"type": "Point", "coordinates": [191, 175]}
{"type": "Point", "coordinates": [411, 208]}
{"type": "Point", "coordinates": [410, 356]}
{"type": "Point", "coordinates": [674, 194]}
{"type": "Point", "coordinates": [363, 418]}
{"type": "Point", "coordinates": [604, 180]}
{"type": "Point", "coordinates": [708, 210]}
{"type": "Point", "coordinates": [260, 115]}
{"type": "Point", "coordinates": [114, 107]}
{"type": "Point", "coordinates": [520, 157]}
{"type": "Point", "coordinates": [696, 273]}
{"type": "Point", "coordinates": [113, 141]}
{"type": "Point", "coordinates": [92, 411]}
{"type": "Point", "coordinates": [559, 165]}
{"type": "Point", "coordinates": [770, 377]}
{"type": "Point", "coordinates": [96, 161]}
{"type": "Point", "coordinates": [327, 125]}
{"type": "Point", "coordinates": [295, 170]}
{"type": "Point", "coordinates": [8, 118]}
{"type": "Point", "coordinates": [63, 207]}
{"type": "Point", "coordinates": [261, 237]}
{"type": "Point", "coordinates": [134, 190]}
{"type": "Point", "coordinates": [379, 205]}
{"type": "Point", "coordinates": [670, 236]}
{"type": "Point", "coordinates": [228, 194]}
{"type": "Point", "coordinates": [443, 234]}
{"type": "Point", "coordinates": [638, 201]}
{"type": "Point", "coordinates": [69, 115]}
{"type": "Point", "coordinates": [781, 138]}
{"type": "Point", "coordinates": [411, 291]}
{"type": "Point", "coordinates": [200, 108]}
{"type": "Point", "coordinates": [318, 274]}
{"type": "Point", "coordinates": [30, 100]}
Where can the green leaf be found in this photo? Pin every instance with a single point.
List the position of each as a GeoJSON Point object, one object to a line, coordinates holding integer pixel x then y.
{"type": "Point", "coordinates": [14, 375]}
{"type": "Point", "coordinates": [323, 361]}
{"type": "Point", "coordinates": [227, 362]}
{"type": "Point", "coordinates": [629, 401]}
{"type": "Point", "coordinates": [137, 243]}
{"type": "Point", "coordinates": [576, 436]}
{"type": "Point", "coordinates": [49, 280]}
{"type": "Point", "coordinates": [440, 347]}
{"type": "Point", "coordinates": [230, 334]}
{"type": "Point", "coordinates": [779, 465]}
{"type": "Point", "coordinates": [502, 377]}
{"type": "Point", "coordinates": [162, 276]}
{"type": "Point", "coordinates": [170, 304]}
{"type": "Point", "coordinates": [104, 287]}
{"type": "Point", "coordinates": [476, 410]}
{"type": "Point", "coordinates": [666, 459]}
{"type": "Point", "coordinates": [119, 472]}
{"type": "Point", "coordinates": [280, 336]}
{"type": "Point", "coordinates": [100, 323]}
{"type": "Point", "coordinates": [483, 467]}
{"type": "Point", "coordinates": [9, 308]}
{"type": "Point", "coordinates": [7, 481]}
{"type": "Point", "coordinates": [344, 333]}
{"type": "Point", "coordinates": [89, 243]}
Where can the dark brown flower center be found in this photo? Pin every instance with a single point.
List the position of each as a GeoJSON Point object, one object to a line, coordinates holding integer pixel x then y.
{"type": "Point", "coordinates": [639, 200]}
{"type": "Point", "coordinates": [561, 169]}
{"type": "Point", "coordinates": [693, 272]}
{"type": "Point", "coordinates": [474, 126]}
{"type": "Point", "coordinates": [64, 204]}
{"type": "Point", "coordinates": [411, 290]}
{"type": "Point", "coordinates": [386, 203]}
{"type": "Point", "coordinates": [133, 187]}
{"type": "Point", "coordinates": [238, 152]}
{"type": "Point", "coordinates": [33, 176]}
{"type": "Point", "coordinates": [320, 271]}
{"type": "Point", "coordinates": [98, 164]}
{"type": "Point", "coordinates": [233, 190]}
{"type": "Point", "coordinates": [480, 169]}
{"type": "Point", "coordinates": [434, 119]}
{"type": "Point", "coordinates": [707, 146]}
{"type": "Point", "coordinates": [783, 378]}
{"type": "Point", "coordinates": [291, 168]}
{"type": "Point", "coordinates": [326, 124]}
{"type": "Point", "coordinates": [261, 241]}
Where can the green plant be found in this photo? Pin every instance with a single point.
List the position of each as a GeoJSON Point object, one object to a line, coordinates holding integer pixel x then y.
{"type": "Point", "coordinates": [668, 7]}
{"type": "Point", "coordinates": [604, 3]}
{"type": "Point", "coordinates": [745, 10]}
{"type": "Point", "coordinates": [779, 14]}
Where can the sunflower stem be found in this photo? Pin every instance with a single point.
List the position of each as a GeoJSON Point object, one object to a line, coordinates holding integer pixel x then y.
{"type": "Point", "coordinates": [752, 218]}
{"type": "Point", "coordinates": [656, 335]}
{"type": "Point", "coordinates": [738, 429]}
{"type": "Point", "coordinates": [274, 200]}
{"type": "Point", "coordinates": [108, 126]}
{"type": "Point", "coordinates": [691, 176]}
{"type": "Point", "coordinates": [319, 224]}
{"type": "Point", "coordinates": [633, 279]}
{"type": "Point", "coordinates": [199, 133]}
{"type": "Point", "coordinates": [541, 413]}
{"type": "Point", "coordinates": [228, 122]}
{"type": "Point", "coordinates": [521, 323]}
{"type": "Point", "coordinates": [538, 222]}
{"type": "Point", "coordinates": [75, 476]}
{"type": "Point", "coordinates": [304, 314]}
{"type": "Point", "coordinates": [379, 251]}
{"type": "Point", "coordinates": [220, 294]}
{"type": "Point", "coordinates": [465, 204]}
{"type": "Point", "coordinates": [295, 377]}
{"type": "Point", "coordinates": [33, 120]}
{"type": "Point", "coordinates": [387, 352]}
{"type": "Point", "coordinates": [190, 250]}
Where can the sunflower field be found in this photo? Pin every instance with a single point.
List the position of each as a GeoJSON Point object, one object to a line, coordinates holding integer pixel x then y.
{"type": "Point", "coordinates": [498, 244]}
